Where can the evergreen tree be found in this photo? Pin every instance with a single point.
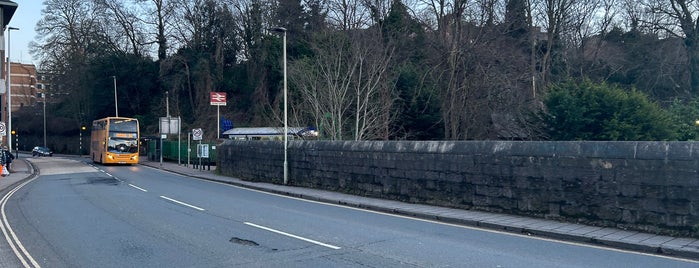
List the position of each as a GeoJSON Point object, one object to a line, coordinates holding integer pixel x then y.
{"type": "Point", "coordinates": [588, 111]}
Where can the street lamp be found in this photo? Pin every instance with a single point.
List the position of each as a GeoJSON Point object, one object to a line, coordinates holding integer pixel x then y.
{"type": "Point", "coordinates": [9, 89]}
{"type": "Point", "coordinates": [7, 10]}
{"type": "Point", "coordinates": [43, 95]}
{"type": "Point", "coordinates": [286, 125]}
{"type": "Point", "coordinates": [116, 107]}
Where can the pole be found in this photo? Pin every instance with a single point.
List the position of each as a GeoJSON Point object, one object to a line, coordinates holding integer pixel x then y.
{"type": "Point", "coordinates": [218, 121]}
{"type": "Point", "coordinates": [286, 125]}
{"type": "Point", "coordinates": [161, 150]}
{"type": "Point", "coordinates": [44, 96]}
{"type": "Point", "coordinates": [189, 147]}
{"type": "Point", "coordinates": [9, 90]}
{"type": "Point", "coordinates": [116, 104]}
{"type": "Point", "coordinates": [167, 105]}
{"type": "Point", "coordinates": [179, 141]}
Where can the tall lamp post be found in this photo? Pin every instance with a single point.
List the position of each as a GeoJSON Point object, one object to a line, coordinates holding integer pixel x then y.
{"type": "Point", "coordinates": [9, 89]}
{"type": "Point", "coordinates": [7, 10]}
{"type": "Point", "coordinates": [116, 104]}
{"type": "Point", "coordinates": [43, 95]}
{"type": "Point", "coordinates": [286, 125]}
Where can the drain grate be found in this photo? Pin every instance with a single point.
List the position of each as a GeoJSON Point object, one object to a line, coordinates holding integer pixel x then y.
{"type": "Point", "coordinates": [244, 242]}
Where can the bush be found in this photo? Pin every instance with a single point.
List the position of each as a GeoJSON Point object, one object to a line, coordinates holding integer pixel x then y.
{"type": "Point", "coordinates": [589, 111]}
{"type": "Point", "coordinates": [685, 114]}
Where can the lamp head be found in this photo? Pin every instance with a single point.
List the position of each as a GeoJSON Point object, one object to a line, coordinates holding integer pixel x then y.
{"type": "Point", "coordinates": [278, 29]}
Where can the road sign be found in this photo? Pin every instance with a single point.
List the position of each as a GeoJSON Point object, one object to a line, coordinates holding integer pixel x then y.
{"type": "Point", "coordinates": [197, 134]}
{"type": "Point", "coordinates": [3, 130]}
{"type": "Point", "coordinates": [203, 150]}
{"type": "Point", "coordinates": [170, 125]}
{"type": "Point", "coordinates": [218, 98]}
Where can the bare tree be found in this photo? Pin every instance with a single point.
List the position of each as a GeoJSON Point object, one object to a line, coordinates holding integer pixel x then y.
{"type": "Point", "coordinates": [123, 24]}
{"type": "Point", "coordinates": [610, 16]}
{"type": "Point", "coordinates": [325, 84]}
{"type": "Point", "coordinates": [346, 87]}
{"type": "Point", "coordinates": [555, 16]}
{"type": "Point", "coordinates": [68, 35]}
{"type": "Point", "coordinates": [451, 46]}
{"type": "Point", "coordinates": [373, 90]}
{"type": "Point", "coordinates": [156, 14]}
{"type": "Point", "coordinates": [348, 14]}
{"type": "Point", "coordinates": [680, 18]}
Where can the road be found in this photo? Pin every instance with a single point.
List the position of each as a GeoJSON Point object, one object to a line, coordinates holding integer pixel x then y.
{"type": "Point", "coordinates": [78, 215]}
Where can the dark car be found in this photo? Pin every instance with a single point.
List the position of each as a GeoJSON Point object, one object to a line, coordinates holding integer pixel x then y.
{"type": "Point", "coordinates": [41, 151]}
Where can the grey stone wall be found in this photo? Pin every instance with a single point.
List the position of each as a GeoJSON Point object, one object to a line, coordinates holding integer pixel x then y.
{"type": "Point", "coordinates": [648, 186]}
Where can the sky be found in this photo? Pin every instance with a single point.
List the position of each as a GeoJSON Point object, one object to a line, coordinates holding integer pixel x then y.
{"type": "Point", "coordinates": [25, 18]}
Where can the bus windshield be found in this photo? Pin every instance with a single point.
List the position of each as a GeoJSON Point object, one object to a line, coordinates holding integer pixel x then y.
{"type": "Point", "coordinates": [122, 145]}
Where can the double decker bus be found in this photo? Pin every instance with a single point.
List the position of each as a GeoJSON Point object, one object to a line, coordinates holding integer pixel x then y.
{"type": "Point", "coordinates": [114, 140]}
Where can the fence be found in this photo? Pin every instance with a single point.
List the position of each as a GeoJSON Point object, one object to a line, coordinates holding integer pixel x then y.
{"type": "Point", "coordinates": [177, 151]}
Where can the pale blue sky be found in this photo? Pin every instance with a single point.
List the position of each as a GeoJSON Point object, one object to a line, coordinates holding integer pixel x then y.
{"type": "Point", "coordinates": [26, 16]}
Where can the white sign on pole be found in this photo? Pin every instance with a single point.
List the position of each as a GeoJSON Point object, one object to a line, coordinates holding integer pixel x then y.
{"type": "Point", "coordinates": [203, 150]}
{"type": "Point", "coordinates": [197, 134]}
{"type": "Point", "coordinates": [3, 130]}
{"type": "Point", "coordinates": [170, 125]}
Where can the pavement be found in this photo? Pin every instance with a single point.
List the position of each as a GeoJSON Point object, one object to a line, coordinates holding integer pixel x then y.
{"type": "Point", "coordinates": [682, 247]}
{"type": "Point", "coordinates": [21, 170]}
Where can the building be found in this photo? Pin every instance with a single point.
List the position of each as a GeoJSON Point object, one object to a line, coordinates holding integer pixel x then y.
{"type": "Point", "coordinates": [22, 89]}
{"type": "Point", "coordinates": [25, 86]}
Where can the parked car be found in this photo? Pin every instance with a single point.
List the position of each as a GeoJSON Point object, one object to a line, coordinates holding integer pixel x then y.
{"type": "Point", "coordinates": [41, 151]}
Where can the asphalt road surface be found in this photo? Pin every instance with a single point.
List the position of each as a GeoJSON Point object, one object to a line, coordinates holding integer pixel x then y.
{"type": "Point", "coordinates": [79, 215]}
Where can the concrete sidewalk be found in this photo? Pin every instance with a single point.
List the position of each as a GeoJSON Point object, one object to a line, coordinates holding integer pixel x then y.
{"type": "Point", "coordinates": [611, 237]}
{"type": "Point", "coordinates": [21, 170]}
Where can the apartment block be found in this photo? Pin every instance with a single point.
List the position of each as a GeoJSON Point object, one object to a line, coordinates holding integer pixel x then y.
{"type": "Point", "coordinates": [24, 85]}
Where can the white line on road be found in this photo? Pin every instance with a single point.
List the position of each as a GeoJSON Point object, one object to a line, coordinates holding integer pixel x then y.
{"type": "Point", "coordinates": [182, 203]}
{"type": "Point", "coordinates": [134, 186]}
{"type": "Point", "coordinates": [291, 235]}
{"type": "Point", "coordinates": [6, 228]}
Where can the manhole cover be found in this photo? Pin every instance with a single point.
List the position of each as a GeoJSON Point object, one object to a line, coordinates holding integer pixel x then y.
{"type": "Point", "coordinates": [244, 241]}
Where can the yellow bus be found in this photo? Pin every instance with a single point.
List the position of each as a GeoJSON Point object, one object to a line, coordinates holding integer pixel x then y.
{"type": "Point", "coordinates": [114, 140]}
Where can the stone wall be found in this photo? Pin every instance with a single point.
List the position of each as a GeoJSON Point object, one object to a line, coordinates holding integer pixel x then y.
{"type": "Point", "coordinates": [648, 186]}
